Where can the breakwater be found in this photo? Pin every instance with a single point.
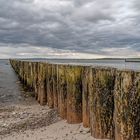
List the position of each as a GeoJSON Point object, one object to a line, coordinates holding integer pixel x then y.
{"type": "Point", "coordinates": [105, 99]}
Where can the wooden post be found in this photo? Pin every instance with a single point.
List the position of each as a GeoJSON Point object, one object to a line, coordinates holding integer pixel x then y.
{"type": "Point", "coordinates": [86, 87]}
{"type": "Point", "coordinates": [42, 97]}
{"type": "Point", "coordinates": [127, 105]}
{"type": "Point", "coordinates": [102, 103]}
{"type": "Point", "coordinates": [49, 82]}
{"type": "Point", "coordinates": [55, 84]}
{"type": "Point", "coordinates": [62, 91]}
{"type": "Point", "coordinates": [74, 94]}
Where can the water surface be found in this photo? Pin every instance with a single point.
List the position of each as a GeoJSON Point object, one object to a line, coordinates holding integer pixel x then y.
{"type": "Point", "coordinates": [115, 63]}
{"type": "Point", "coordinates": [10, 89]}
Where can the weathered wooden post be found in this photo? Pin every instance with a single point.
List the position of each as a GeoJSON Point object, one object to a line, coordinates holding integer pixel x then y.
{"type": "Point", "coordinates": [42, 97]}
{"type": "Point", "coordinates": [62, 91]}
{"type": "Point", "coordinates": [29, 76]}
{"type": "Point", "coordinates": [127, 105]}
{"type": "Point", "coordinates": [74, 94]}
{"type": "Point", "coordinates": [49, 82]}
{"type": "Point", "coordinates": [22, 71]}
{"type": "Point", "coordinates": [55, 84]}
{"type": "Point", "coordinates": [25, 73]}
{"type": "Point", "coordinates": [86, 87]}
{"type": "Point", "coordinates": [102, 103]}
{"type": "Point", "coordinates": [35, 78]}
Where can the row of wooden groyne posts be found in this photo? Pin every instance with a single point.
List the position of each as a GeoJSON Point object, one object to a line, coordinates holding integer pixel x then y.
{"type": "Point", "coordinates": [105, 99]}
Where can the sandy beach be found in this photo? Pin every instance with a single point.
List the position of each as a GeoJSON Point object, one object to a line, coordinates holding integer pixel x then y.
{"type": "Point", "coordinates": [35, 122]}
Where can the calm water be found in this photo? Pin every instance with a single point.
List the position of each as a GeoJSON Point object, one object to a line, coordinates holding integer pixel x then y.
{"type": "Point", "coordinates": [10, 91]}
{"type": "Point", "coordinates": [120, 64]}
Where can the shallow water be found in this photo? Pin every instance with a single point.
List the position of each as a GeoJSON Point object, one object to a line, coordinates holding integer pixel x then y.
{"type": "Point", "coordinates": [10, 88]}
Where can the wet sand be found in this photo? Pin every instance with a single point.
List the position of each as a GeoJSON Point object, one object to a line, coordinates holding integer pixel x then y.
{"type": "Point", "coordinates": [22, 118]}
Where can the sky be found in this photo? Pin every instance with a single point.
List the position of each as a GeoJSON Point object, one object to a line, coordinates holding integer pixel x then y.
{"type": "Point", "coordinates": [69, 28]}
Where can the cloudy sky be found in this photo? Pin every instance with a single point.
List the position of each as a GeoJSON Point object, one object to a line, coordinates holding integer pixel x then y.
{"type": "Point", "coordinates": [69, 28]}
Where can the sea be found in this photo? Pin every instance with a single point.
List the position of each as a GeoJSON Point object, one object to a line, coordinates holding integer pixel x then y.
{"type": "Point", "coordinates": [123, 64]}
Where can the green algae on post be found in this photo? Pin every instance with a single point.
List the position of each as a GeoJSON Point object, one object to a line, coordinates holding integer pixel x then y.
{"type": "Point", "coordinates": [86, 87]}
{"type": "Point", "coordinates": [62, 91]}
{"type": "Point", "coordinates": [55, 84]}
{"type": "Point", "coordinates": [49, 82]}
{"type": "Point", "coordinates": [35, 78]}
{"type": "Point", "coordinates": [127, 105]}
{"type": "Point", "coordinates": [42, 97]}
{"type": "Point", "coordinates": [74, 94]}
{"type": "Point", "coordinates": [102, 103]}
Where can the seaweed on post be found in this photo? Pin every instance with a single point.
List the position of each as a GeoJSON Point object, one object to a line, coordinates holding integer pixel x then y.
{"type": "Point", "coordinates": [62, 91]}
{"type": "Point", "coordinates": [74, 94]}
{"type": "Point", "coordinates": [86, 87]}
{"type": "Point", "coordinates": [49, 83]}
{"type": "Point", "coordinates": [127, 105]}
{"type": "Point", "coordinates": [102, 103]}
{"type": "Point", "coordinates": [55, 84]}
{"type": "Point", "coordinates": [42, 97]}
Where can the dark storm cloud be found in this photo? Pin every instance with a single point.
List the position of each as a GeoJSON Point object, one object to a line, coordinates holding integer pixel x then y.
{"type": "Point", "coordinates": [97, 27]}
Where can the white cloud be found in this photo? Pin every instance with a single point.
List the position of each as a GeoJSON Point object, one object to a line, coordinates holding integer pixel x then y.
{"type": "Point", "coordinates": [27, 51]}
